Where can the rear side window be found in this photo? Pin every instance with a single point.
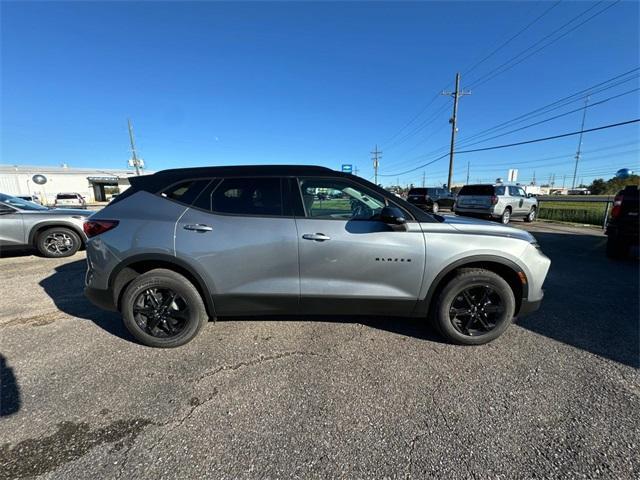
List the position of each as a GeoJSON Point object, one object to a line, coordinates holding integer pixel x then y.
{"type": "Point", "coordinates": [66, 196]}
{"type": "Point", "coordinates": [478, 190]}
{"type": "Point", "coordinates": [185, 192]}
{"type": "Point", "coordinates": [245, 196]}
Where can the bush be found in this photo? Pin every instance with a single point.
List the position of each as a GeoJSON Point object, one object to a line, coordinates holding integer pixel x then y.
{"type": "Point", "coordinates": [589, 216]}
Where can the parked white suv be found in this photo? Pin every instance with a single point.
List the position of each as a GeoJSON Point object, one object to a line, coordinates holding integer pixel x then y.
{"type": "Point", "coordinates": [502, 202]}
{"type": "Point", "coordinates": [70, 200]}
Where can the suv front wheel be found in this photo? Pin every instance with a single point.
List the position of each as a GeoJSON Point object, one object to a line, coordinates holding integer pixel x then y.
{"type": "Point", "coordinates": [475, 307]}
{"type": "Point", "coordinates": [161, 308]}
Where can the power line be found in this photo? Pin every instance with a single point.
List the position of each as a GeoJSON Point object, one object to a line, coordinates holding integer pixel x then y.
{"type": "Point", "coordinates": [520, 32]}
{"type": "Point", "coordinates": [386, 143]}
{"type": "Point", "coordinates": [592, 90]}
{"type": "Point", "coordinates": [526, 142]}
{"type": "Point", "coordinates": [555, 117]}
{"type": "Point", "coordinates": [496, 71]}
{"type": "Point", "coordinates": [559, 103]}
{"type": "Point", "coordinates": [544, 139]}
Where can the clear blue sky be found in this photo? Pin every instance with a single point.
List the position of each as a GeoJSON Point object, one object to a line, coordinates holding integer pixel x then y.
{"type": "Point", "coordinates": [314, 83]}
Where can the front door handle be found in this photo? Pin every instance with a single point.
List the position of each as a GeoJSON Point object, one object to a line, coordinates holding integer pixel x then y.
{"type": "Point", "coordinates": [199, 227]}
{"type": "Point", "coordinates": [318, 237]}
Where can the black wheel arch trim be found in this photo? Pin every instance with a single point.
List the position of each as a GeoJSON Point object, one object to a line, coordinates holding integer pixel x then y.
{"type": "Point", "coordinates": [424, 305]}
{"type": "Point", "coordinates": [117, 287]}
{"type": "Point", "coordinates": [38, 227]}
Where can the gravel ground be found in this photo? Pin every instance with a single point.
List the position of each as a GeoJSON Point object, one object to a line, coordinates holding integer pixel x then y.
{"type": "Point", "coordinates": [557, 396]}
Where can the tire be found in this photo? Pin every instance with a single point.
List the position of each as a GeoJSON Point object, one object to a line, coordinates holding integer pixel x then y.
{"type": "Point", "coordinates": [531, 216]}
{"type": "Point", "coordinates": [451, 299]}
{"type": "Point", "coordinates": [182, 318]}
{"type": "Point", "coordinates": [505, 218]}
{"type": "Point", "coordinates": [435, 208]}
{"type": "Point", "coordinates": [58, 242]}
{"type": "Point", "coordinates": [616, 248]}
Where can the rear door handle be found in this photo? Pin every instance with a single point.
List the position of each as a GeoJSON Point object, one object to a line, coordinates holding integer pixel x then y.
{"type": "Point", "coordinates": [199, 227]}
{"type": "Point", "coordinates": [318, 237]}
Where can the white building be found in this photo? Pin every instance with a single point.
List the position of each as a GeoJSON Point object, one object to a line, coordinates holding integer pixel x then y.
{"type": "Point", "coordinates": [88, 182]}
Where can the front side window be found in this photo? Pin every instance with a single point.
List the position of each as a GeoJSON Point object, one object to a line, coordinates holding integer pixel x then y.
{"type": "Point", "coordinates": [247, 196]}
{"type": "Point", "coordinates": [339, 200]}
{"type": "Point", "coordinates": [516, 192]}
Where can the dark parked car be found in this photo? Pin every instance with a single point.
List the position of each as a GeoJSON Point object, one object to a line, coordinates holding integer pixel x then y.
{"type": "Point", "coordinates": [431, 199]}
{"type": "Point", "coordinates": [622, 228]}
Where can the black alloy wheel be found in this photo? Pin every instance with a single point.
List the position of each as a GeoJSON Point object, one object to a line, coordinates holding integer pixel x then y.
{"type": "Point", "coordinates": [476, 310]}
{"type": "Point", "coordinates": [161, 312]}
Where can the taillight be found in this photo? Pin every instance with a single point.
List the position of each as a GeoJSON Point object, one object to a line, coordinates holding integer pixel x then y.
{"type": "Point", "coordinates": [617, 206]}
{"type": "Point", "coordinates": [96, 227]}
{"type": "Point", "coordinates": [494, 200]}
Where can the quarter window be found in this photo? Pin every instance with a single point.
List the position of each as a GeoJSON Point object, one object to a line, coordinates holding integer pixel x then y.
{"type": "Point", "coordinates": [339, 199]}
{"type": "Point", "coordinates": [185, 192]}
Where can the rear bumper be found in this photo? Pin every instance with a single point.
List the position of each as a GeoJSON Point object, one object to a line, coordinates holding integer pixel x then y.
{"type": "Point", "coordinates": [529, 306]}
{"type": "Point", "coordinates": [100, 298]}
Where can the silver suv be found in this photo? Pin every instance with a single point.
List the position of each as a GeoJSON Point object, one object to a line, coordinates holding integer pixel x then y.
{"type": "Point", "coordinates": [502, 202]}
{"type": "Point", "coordinates": [54, 232]}
{"type": "Point", "coordinates": [181, 246]}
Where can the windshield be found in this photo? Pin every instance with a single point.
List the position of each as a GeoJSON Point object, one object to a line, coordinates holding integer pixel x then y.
{"type": "Point", "coordinates": [20, 203]}
{"type": "Point", "coordinates": [476, 190]}
{"type": "Point", "coordinates": [418, 191]}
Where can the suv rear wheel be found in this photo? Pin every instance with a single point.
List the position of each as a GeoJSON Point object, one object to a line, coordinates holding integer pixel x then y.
{"type": "Point", "coordinates": [58, 242]}
{"type": "Point", "coordinates": [506, 216]}
{"type": "Point", "coordinates": [161, 308]}
{"type": "Point", "coordinates": [475, 307]}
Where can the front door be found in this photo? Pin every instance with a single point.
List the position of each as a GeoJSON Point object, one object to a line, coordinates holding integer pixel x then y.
{"type": "Point", "coordinates": [11, 226]}
{"type": "Point", "coordinates": [520, 205]}
{"type": "Point", "coordinates": [238, 237]}
{"type": "Point", "coordinates": [349, 261]}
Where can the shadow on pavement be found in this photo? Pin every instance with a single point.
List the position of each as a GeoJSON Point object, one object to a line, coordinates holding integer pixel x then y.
{"type": "Point", "coordinates": [10, 400]}
{"type": "Point", "coordinates": [591, 302]}
{"type": "Point", "coordinates": [10, 252]}
{"type": "Point", "coordinates": [66, 288]}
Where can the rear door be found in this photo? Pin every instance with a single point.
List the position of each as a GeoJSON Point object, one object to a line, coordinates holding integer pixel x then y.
{"type": "Point", "coordinates": [244, 240]}
{"type": "Point", "coordinates": [349, 261]}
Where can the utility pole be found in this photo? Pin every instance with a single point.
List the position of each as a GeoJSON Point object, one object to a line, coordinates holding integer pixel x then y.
{"type": "Point", "coordinates": [355, 170]}
{"type": "Point", "coordinates": [575, 169]}
{"type": "Point", "coordinates": [564, 177]}
{"type": "Point", "coordinates": [453, 121]}
{"type": "Point", "coordinates": [468, 166]}
{"type": "Point", "coordinates": [533, 182]}
{"type": "Point", "coordinates": [376, 162]}
{"type": "Point", "coordinates": [424, 175]}
{"type": "Point", "coordinates": [134, 157]}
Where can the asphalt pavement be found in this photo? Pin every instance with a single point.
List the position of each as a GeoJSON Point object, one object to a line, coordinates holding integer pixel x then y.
{"type": "Point", "coordinates": [557, 396]}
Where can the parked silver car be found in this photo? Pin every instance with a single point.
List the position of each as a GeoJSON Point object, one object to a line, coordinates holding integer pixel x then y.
{"type": "Point", "coordinates": [183, 245]}
{"type": "Point", "coordinates": [55, 232]}
{"type": "Point", "coordinates": [502, 202]}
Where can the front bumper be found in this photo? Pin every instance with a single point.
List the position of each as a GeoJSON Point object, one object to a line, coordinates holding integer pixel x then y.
{"type": "Point", "coordinates": [100, 298]}
{"type": "Point", "coordinates": [529, 306]}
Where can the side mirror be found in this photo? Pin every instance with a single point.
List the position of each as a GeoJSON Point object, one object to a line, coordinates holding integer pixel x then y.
{"type": "Point", "coordinates": [392, 216]}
